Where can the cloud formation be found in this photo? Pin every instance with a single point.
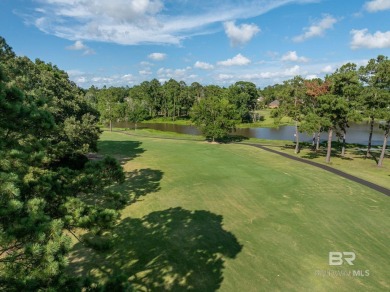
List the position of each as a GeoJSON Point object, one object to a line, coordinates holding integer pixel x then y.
{"type": "Point", "coordinates": [292, 56]}
{"type": "Point", "coordinates": [80, 46]}
{"type": "Point", "coordinates": [203, 65]}
{"type": "Point", "coordinates": [363, 39]}
{"type": "Point", "coordinates": [240, 35]}
{"type": "Point", "coordinates": [157, 56]}
{"type": "Point", "coordinates": [327, 69]}
{"type": "Point", "coordinates": [238, 60]}
{"type": "Point", "coordinates": [317, 29]}
{"type": "Point", "coordinates": [377, 5]}
{"type": "Point", "coordinates": [131, 22]}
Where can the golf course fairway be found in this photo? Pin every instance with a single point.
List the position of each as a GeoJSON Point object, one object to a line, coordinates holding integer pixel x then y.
{"type": "Point", "coordinates": [231, 217]}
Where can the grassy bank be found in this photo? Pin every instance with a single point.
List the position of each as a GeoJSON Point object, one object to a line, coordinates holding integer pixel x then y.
{"type": "Point", "coordinates": [266, 121]}
{"type": "Point", "coordinates": [232, 217]}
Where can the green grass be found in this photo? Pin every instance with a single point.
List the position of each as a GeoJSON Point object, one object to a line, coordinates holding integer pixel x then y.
{"type": "Point", "coordinates": [177, 121]}
{"type": "Point", "coordinates": [235, 218]}
{"type": "Point", "coordinates": [353, 163]}
{"type": "Point", "coordinates": [267, 122]}
{"type": "Point", "coordinates": [145, 132]}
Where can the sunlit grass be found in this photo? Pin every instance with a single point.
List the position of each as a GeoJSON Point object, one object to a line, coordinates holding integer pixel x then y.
{"type": "Point", "coordinates": [236, 218]}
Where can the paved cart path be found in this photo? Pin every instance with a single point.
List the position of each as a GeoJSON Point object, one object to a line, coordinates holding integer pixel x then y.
{"type": "Point", "coordinates": [364, 182]}
{"type": "Point", "coordinates": [343, 174]}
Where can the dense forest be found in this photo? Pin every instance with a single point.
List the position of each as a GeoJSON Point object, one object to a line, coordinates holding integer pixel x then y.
{"type": "Point", "coordinates": [48, 126]}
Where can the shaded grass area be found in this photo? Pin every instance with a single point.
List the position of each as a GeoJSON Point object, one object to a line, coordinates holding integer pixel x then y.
{"type": "Point", "coordinates": [236, 218]}
{"type": "Point", "coordinates": [265, 121]}
{"type": "Point", "coordinates": [173, 249]}
{"type": "Point", "coordinates": [146, 132]}
{"type": "Point", "coordinates": [354, 162]}
{"type": "Point", "coordinates": [177, 121]}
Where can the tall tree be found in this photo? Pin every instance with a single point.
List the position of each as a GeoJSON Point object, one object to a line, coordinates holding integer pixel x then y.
{"type": "Point", "coordinates": [109, 100]}
{"type": "Point", "coordinates": [45, 175]}
{"type": "Point", "coordinates": [244, 96]}
{"type": "Point", "coordinates": [171, 92]}
{"type": "Point", "coordinates": [345, 83]}
{"type": "Point", "coordinates": [386, 128]}
{"type": "Point", "coordinates": [196, 91]}
{"type": "Point", "coordinates": [332, 111]}
{"type": "Point", "coordinates": [375, 77]}
{"type": "Point", "coordinates": [135, 110]}
{"type": "Point", "coordinates": [293, 104]}
{"type": "Point", "coordinates": [215, 117]}
{"type": "Point", "coordinates": [312, 122]}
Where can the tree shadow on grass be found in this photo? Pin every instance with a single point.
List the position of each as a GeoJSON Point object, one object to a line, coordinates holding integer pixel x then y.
{"type": "Point", "coordinates": [128, 149]}
{"type": "Point", "coordinates": [229, 139]}
{"type": "Point", "coordinates": [141, 182]}
{"type": "Point", "coordinates": [137, 183]}
{"type": "Point", "coordinates": [173, 249]}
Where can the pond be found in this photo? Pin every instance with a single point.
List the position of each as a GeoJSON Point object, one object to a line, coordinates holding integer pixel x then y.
{"type": "Point", "coordinates": [356, 133]}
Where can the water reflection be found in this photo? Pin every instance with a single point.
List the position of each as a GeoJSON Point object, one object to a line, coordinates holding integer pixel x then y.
{"type": "Point", "coordinates": [357, 133]}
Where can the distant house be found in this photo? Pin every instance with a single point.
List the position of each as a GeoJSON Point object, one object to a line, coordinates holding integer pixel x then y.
{"type": "Point", "coordinates": [274, 104]}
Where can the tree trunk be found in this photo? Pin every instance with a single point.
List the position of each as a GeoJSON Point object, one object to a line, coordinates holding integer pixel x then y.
{"type": "Point", "coordinates": [329, 151]}
{"type": "Point", "coordinates": [110, 125]}
{"type": "Point", "coordinates": [370, 137]}
{"type": "Point", "coordinates": [382, 157]}
{"type": "Point", "coordinates": [314, 141]}
{"type": "Point", "coordinates": [296, 138]}
{"type": "Point", "coordinates": [135, 126]}
{"type": "Point", "coordinates": [318, 141]}
{"type": "Point", "coordinates": [343, 148]}
{"type": "Point", "coordinates": [174, 109]}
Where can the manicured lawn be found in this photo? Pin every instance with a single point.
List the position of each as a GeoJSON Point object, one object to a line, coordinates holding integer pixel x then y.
{"type": "Point", "coordinates": [353, 163]}
{"type": "Point", "coordinates": [177, 121]}
{"type": "Point", "coordinates": [267, 121]}
{"type": "Point", "coordinates": [236, 218]}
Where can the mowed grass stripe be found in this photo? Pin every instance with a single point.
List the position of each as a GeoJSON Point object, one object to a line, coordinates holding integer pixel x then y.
{"type": "Point", "coordinates": [286, 215]}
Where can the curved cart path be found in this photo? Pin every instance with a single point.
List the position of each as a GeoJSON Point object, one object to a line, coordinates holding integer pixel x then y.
{"type": "Point", "coordinates": [364, 182]}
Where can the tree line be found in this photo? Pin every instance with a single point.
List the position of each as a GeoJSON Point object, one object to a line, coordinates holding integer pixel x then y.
{"type": "Point", "coordinates": [350, 94]}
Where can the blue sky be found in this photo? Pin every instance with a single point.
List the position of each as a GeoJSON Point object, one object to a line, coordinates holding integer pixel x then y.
{"type": "Point", "coordinates": [125, 42]}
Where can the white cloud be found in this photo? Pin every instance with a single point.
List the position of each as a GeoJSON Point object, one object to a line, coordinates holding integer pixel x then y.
{"type": "Point", "coordinates": [238, 60]}
{"type": "Point", "coordinates": [311, 76]}
{"type": "Point", "coordinates": [80, 46]}
{"type": "Point", "coordinates": [327, 69]}
{"type": "Point", "coordinates": [157, 56]}
{"type": "Point", "coordinates": [128, 78]}
{"type": "Point", "coordinates": [177, 74]}
{"type": "Point", "coordinates": [293, 71]}
{"type": "Point", "coordinates": [145, 72]}
{"type": "Point", "coordinates": [132, 22]}
{"type": "Point", "coordinates": [77, 46]}
{"type": "Point", "coordinates": [292, 56]}
{"type": "Point", "coordinates": [225, 77]}
{"type": "Point", "coordinates": [377, 5]}
{"type": "Point", "coordinates": [317, 29]}
{"type": "Point", "coordinates": [363, 39]}
{"type": "Point", "coordinates": [242, 34]}
{"type": "Point", "coordinates": [203, 65]}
